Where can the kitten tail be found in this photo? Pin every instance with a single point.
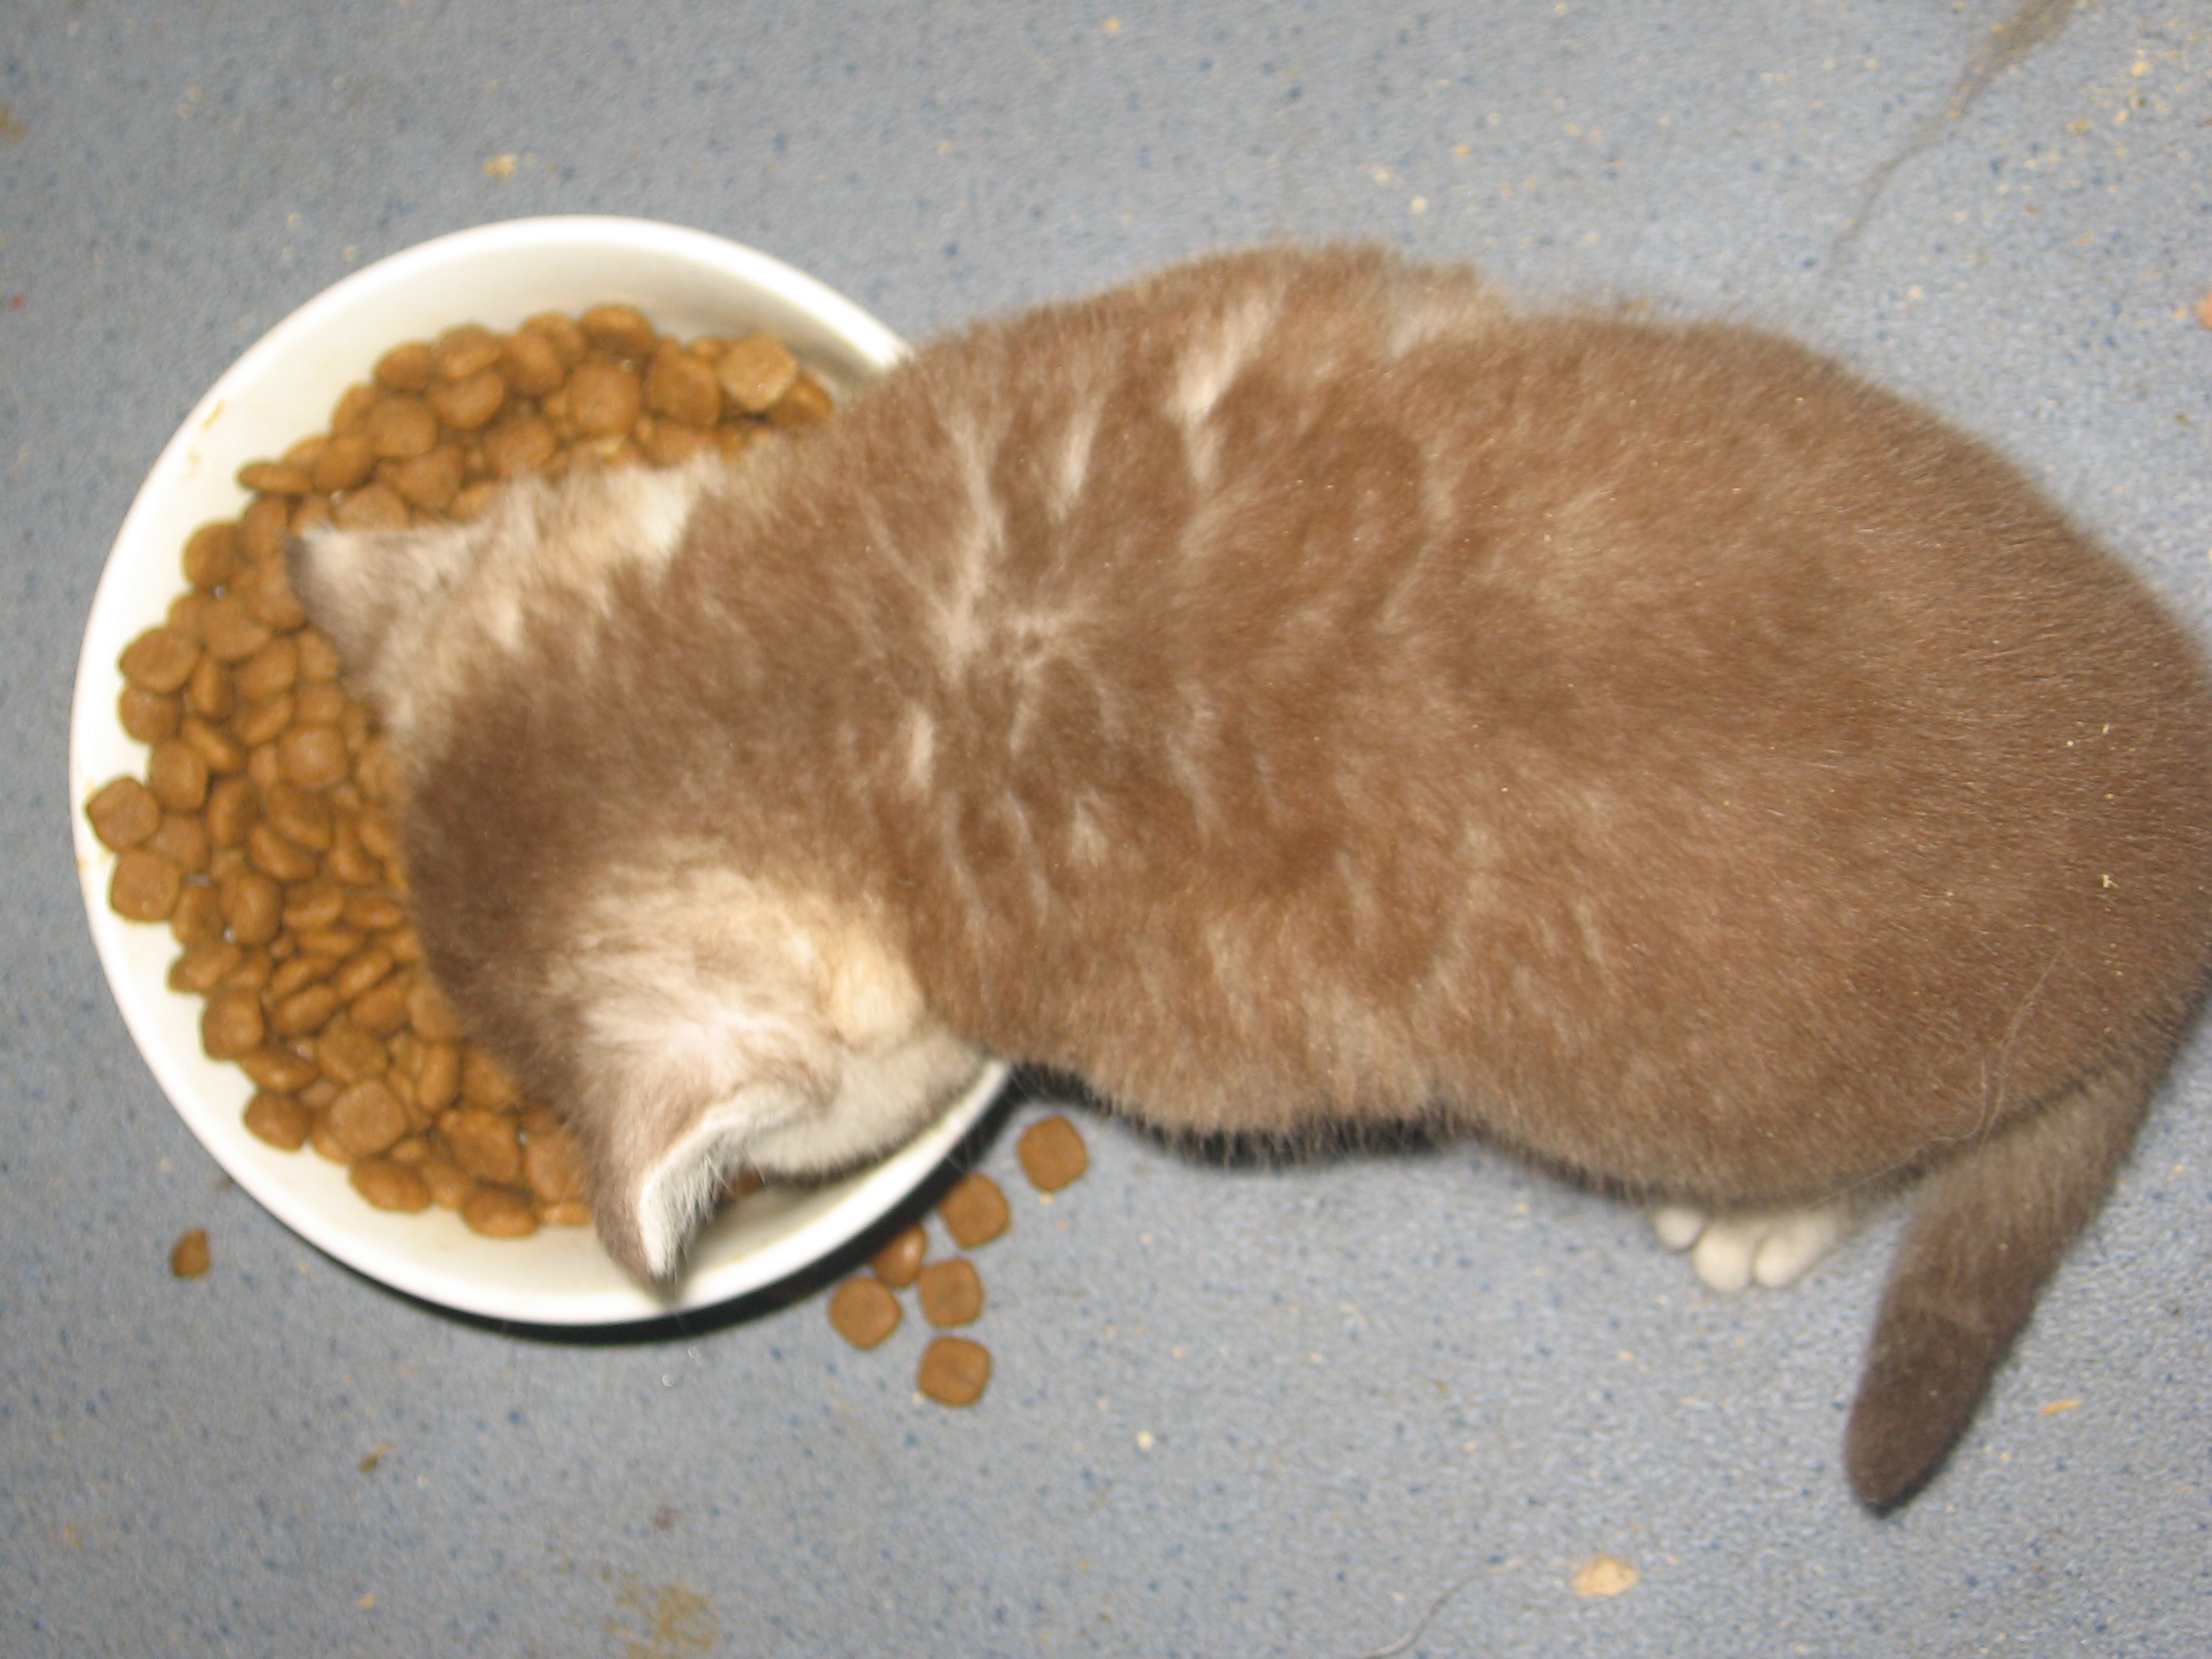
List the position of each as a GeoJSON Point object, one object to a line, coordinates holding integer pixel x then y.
{"type": "Point", "coordinates": [1986, 1232]}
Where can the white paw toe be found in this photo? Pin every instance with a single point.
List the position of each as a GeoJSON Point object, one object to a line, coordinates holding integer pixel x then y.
{"type": "Point", "coordinates": [1725, 1251]}
{"type": "Point", "coordinates": [1677, 1225]}
{"type": "Point", "coordinates": [1796, 1240]}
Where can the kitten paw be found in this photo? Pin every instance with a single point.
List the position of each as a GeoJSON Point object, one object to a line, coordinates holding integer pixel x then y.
{"type": "Point", "coordinates": [1774, 1247]}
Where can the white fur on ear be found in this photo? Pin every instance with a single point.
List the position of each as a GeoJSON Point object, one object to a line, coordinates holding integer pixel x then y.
{"type": "Point", "coordinates": [781, 1124]}
{"type": "Point", "coordinates": [678, 1194]}
{"type": "Point", "coordinates": [718, 1021]}
{"type": "Point", "coordinates": [374, 591]}
{"type": "Point", "coordinates": [687, 1069]}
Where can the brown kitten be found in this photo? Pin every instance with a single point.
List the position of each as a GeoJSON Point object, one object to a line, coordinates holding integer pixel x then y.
{"type": "Point", "coordinates": [1295, 688]}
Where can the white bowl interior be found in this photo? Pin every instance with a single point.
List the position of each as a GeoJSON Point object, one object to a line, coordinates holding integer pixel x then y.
{"type": "Point", "coordinates": [278, 391]}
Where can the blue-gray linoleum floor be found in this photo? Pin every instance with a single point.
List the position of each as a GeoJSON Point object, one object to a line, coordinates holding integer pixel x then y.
{"type": "Point", "coordinates": [1236, 1413]}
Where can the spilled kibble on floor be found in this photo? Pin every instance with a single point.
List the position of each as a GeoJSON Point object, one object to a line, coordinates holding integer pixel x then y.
{"type": "Point", "coordinates": [866, 1309]}
{"type": "Point", "coordinates": [864, 1313]}
{"type": "Point", "coordinates": [975, 1211]}
{"type": "Point", "coordinates": [1051, 1154]}
{"type": "Point", "coordinates": [954, 1371]}
{"type": "Point", "coordinates": [952, 1293]}
{"type": "Point", "coordinates": [191, 1256]}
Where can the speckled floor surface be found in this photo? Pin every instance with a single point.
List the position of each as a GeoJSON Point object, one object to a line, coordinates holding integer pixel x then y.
{"type": "Point", "coordinates": [1236, 1413]}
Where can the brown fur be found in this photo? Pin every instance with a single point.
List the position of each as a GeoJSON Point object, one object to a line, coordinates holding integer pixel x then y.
{"type": "Point", "coordinates": [1293, 689]}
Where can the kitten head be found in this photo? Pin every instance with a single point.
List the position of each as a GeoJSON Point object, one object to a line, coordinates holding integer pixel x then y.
{"type": "Point", "coordinates": [683, 1017]}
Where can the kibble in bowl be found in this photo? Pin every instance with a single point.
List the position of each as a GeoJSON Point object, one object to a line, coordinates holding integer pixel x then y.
{"type": "Point", "coordinates": [286, 388]}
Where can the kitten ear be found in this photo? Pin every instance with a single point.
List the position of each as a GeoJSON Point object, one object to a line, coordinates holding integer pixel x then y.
{"type": "Point", "coordinates": [649, 1200]}
{"type": "Point", "coordinates": [370, 589]}
{"type": "Point", "coordinates": [677, 1088]}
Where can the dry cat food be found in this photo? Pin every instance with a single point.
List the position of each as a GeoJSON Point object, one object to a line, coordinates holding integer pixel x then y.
{"type": "Point", "coordinates": [975, 1211]}
{"type": "Point", "coordinates": [951, 1292]}
{"type": "Point", "coordinates": [262, 831]}
{"type": "Point", "coordinates": [1051, 1154]}
{"type": "Point", "coordinates": [899, 1262]}
{"type": "Point", "coordinates": [865, 1311]}
{"type": "Point", "coordinates": [954, 1371]}
{"type": "Point", "coordinates": [191, 1256]}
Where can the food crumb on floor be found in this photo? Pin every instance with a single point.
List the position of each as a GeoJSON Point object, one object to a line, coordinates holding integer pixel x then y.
{"type": "Point", "coordinates": [191, 1256]}
{"type": "Point", "coordinates": [1604, 1575]}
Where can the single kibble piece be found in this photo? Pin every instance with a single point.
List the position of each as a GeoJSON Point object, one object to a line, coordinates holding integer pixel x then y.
{"type": "Point", "coordinates": [975, 1211]}
{"type": "Point", "coordinates": [232, 631]}
{"type": "Point", "coordinates": [277, 1068]}
{"type": "Point", "coordinates": [534, 367]}
{"type": "Point", "coordinates": [313, 756]}
{"type": "Point", "coordinates": [231, 1026]}
{"type": "Point", "coordinates": [177, 774]}
{"type": "Point", "coordinates": [863, 1312]}
{"type": "Point", "coordinates": [465, 350]}
{"type": "Point", "coordinates": [198, 918]}
{"type": "Point", "coordinates": [191, 1256]}
{"type": "Point", "coordinates": [213, 689]}
{"type": "Point", "coordinates": [344, 462]}
{"type": "Point", "coordinates": [519, 446]}
{"type": "Point", "coordinates": [952, 1293]}
{"type": "Point", "coordinates": [211, 557]}
{"type": "Point", "coordinates": [1604, 1575]}
{"type": "Point", "coordinates": [467, 403]}
{"type": "Point", "coordinates": [898, 1262]}
{"type": "Point", "coordinates": [483, 1082]}
{"type": "Point", "coordinates": [279, 1120]}
{"type": "Point", "coordinates": [366, 1119]}
{"type": "Point", "coordinates": [604, 400]}
{"type": "Point", "coordinates": [620, 331]}
{"type": "Point", "coordinates": [499, 1212]}
{"type": "Point", "coordinates": [346, 1055]}
{"type": "Point", "coordinates": [147, 717]}
{"type": "Point", "coordinates": [683, 387]}
{"type": "Point", "coordinates": [401, 427]}
{"type": "Point", "coordinates": [202, 967]}
{"type": "Point", "coordinates": [954, 1371]}
{"type": "Point", "coordinates": [430, 481]}
{"type": "Point", "coordinates": [1051, 1154]}
{"type": "Point", "coordinates": [405, 368]}
{"type": "Point", "coordinates": [483, 1143]}
{"type": "Point", "coordinates": [389, 1185]}
{"type": "Point", "coordinates": [756, 371]}
{"type": "Point", "coordinates": [268, 592]}
{"type": "Point", "coordinates": [373, 507]}
{"type": "Point", "coordinates": [159, 661]}
{"type": "Point", "coordinates": [124, 813]}
{"type": "Point", "coordinates": [144, 887]}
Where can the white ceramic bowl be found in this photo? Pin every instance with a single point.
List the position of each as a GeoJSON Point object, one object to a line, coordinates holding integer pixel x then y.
{"type": "Point", "coordinates": [281, 390]}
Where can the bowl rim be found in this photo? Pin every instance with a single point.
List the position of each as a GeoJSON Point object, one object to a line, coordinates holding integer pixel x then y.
{"type": "Point", "coordinates": [802, 1229]}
